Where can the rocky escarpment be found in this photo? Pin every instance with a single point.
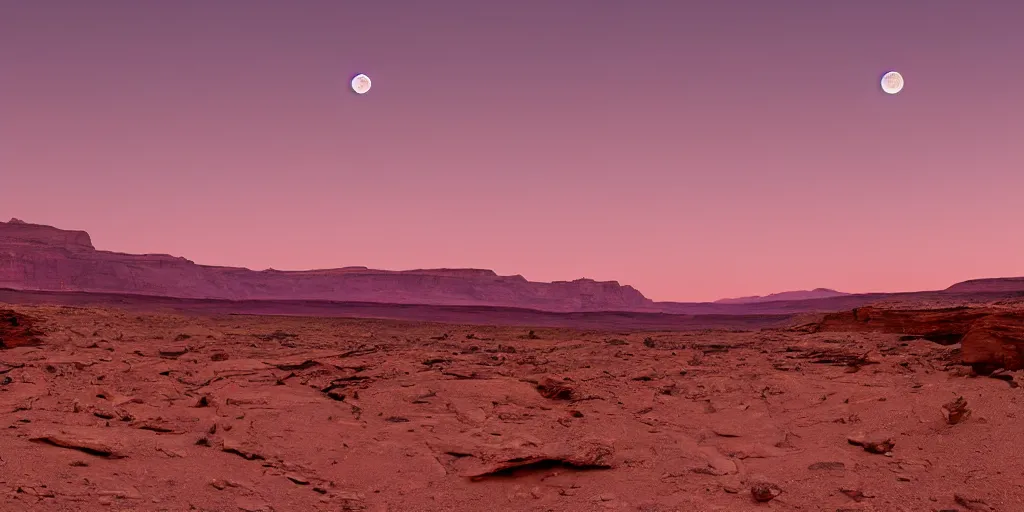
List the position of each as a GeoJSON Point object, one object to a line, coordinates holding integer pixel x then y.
{"type": "Point", "coordinates": [20, 233]}
{"type": "Point", "coordinates": [990, 338]}
{"type": "Point", "coordinates": [35, 257]}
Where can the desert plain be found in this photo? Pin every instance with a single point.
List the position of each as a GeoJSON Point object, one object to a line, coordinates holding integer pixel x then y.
{"type": "Point", "coordinates": [115, 407]}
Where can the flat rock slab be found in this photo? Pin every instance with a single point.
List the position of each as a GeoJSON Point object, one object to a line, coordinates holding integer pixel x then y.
{"type": "Point", "coordinates": [93, 444]}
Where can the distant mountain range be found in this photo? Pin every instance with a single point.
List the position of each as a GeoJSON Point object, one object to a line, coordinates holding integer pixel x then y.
{"type": "Point", "coordinates": [817, 293]}
{"type": "Point", "coordinates": [43, 258]}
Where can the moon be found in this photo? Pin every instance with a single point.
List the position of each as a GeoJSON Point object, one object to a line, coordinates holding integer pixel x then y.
{"type": "Point", "coordinates": [892, 82]}
{"type": "Point", "coordinates": [361, 84]}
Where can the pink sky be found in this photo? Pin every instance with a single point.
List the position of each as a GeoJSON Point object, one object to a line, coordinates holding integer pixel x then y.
{"type": "Point", "coordinates": [694, 150]}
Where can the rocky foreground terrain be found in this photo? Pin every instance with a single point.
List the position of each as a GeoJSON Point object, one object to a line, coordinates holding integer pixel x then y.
{"type": "Point", "coordinates": [111, 409]}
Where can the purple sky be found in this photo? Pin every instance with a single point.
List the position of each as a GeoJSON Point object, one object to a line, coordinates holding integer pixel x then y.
{"type": "Point", "coordinates": [694, 150]}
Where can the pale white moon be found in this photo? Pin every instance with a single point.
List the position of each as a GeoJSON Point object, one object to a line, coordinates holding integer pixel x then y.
{"type": "Point", "coordinates": [361, 84]}
{"type": "Point", "coordinates": [892, 82]}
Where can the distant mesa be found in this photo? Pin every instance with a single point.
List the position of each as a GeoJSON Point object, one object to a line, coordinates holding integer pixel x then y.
{"type": "Point", "coordinates": [44, 258]}
{"type": "Point", "coordinates": [19, 232]}
{"type": "Point", "coordinates": [817, 293]}
{"type": "Point", "coordinates": [990, 285]}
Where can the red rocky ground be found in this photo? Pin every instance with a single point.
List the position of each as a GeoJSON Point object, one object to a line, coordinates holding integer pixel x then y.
{"type": "Point", "coordinates": [106, 409]}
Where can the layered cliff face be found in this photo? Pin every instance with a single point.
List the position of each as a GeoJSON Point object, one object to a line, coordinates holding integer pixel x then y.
{"type": "Point", "coordinates": [35, 257]}
{"type": "Point", "coordinates": [18, 232]}
{"type": "Point", "coordinates": [990, 338]}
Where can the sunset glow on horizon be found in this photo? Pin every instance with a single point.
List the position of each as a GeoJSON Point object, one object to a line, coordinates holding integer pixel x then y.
{"type": "Point", "coordinates": [694, 152]}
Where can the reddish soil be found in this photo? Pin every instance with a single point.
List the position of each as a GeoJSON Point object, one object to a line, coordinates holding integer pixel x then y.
{"type": "Point", "coordinates": [123, 409]}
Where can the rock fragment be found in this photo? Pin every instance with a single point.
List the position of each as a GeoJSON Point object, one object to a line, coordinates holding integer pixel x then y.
{"type": "Point", "coordinates": [956, 411]}
{"type": "Point", "coordinates": [764, 492]}
{"type": "Point", "coordinates": [231, 446]}
{"type": "Point", "coordinates": [555, 390]}
{"type": "Point", "coordinates": [972, 503]}
{"type": "Point", "coordinates": [296, 479]}
{"type": "Point", "coordinates": [581, 456]}
{"type": "Point", "coordinates": [876, 442]}
{"type": "Point", "coordinates": [92, 446]}
{"type": "Point", "coordinates": [856, 494]}
{"type": "Point", "coordinates": [173, 351]}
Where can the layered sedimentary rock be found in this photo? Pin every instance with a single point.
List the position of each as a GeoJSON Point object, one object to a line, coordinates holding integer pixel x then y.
{"type": "Point", "coordinates": [990, 338]}
{"type": "Point", "coordinates": [945, 326]}
{"type": "Point", "coordinates": [996, 341]}
{"type": "Point", "coordinates": [36, 257]}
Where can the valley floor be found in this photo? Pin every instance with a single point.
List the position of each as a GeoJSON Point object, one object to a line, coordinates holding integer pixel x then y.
{"type": "Point", "coordinates": [119, 410]}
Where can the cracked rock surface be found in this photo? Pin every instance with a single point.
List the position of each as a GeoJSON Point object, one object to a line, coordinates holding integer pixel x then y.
{"type": "Point", "coordinates": [110, 409]}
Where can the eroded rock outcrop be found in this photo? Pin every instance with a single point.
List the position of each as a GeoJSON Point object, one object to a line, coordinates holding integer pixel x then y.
{"type": "Point", "coordinates": [995, 342]}
{"type": "Point", "coordinates": [990, 338]}
{"type": "Point", "coordinates": [946, 326]}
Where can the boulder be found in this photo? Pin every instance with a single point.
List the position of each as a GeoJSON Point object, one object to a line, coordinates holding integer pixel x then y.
{"type": "Point", "coordinates": [995, 342]}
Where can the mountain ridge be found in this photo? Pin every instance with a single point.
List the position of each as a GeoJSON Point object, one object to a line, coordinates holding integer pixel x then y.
{"type": "Point", "coordinates": [817, 293]}
{"type": "Point", "coordinates": [46, 258]}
